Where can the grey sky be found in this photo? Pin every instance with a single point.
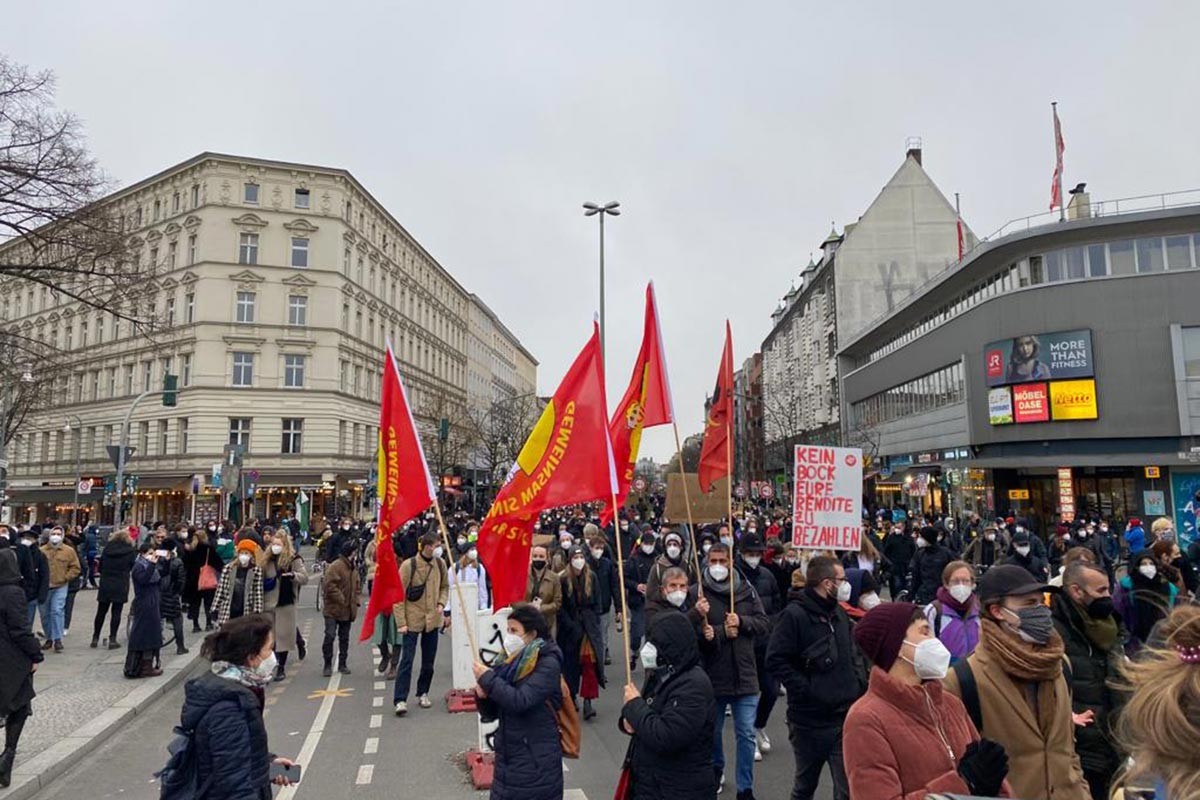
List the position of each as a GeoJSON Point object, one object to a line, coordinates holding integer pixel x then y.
{"type": "Point", "coordinates": [732, 133]}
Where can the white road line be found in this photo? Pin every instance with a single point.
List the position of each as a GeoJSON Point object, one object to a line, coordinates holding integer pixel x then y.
{"type": "Point", "coordinates": [380, 685]}
{"type": "Point", "coordinates": [365, 773]}
{"type": "Point", "coordinates": [372, 746]}
{"type": "Point", "coordinates": [309, 748]}
{"type": "Point", "coordinates": [377, 702]}
{"type": "Point", "coordinates": [376, 721]}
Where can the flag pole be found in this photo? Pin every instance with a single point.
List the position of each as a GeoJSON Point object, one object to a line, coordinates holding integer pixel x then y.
{"type": "Point", "coordinates": [729, 500]}
{"type": "Point", "coordinates": [624, 601]}
{"type": "Point", "coordinates": [467, 616]}
{"type": "Point", "coordinates": [687, 501]}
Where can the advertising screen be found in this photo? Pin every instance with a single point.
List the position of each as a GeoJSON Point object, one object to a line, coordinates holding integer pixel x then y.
{"type": "Point", "coordinates": [1000, 406]}
{"type": "Point", "coordinates": [1073, 400]}
{"type": "Point", "coordinates": [1039, 357]}
{"type": "Point", "coordinates": [1031, 402]}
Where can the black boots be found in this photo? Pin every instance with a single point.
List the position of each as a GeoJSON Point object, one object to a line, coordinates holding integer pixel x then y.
{"type": "Point", "coordinates": [588, 711]}
{"type": "Point", "coordinates": [6, 766]}
{"type": "Point", "coordinates": [281, 666]}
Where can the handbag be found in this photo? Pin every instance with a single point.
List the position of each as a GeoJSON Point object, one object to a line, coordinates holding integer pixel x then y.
{"type": "Point", "coordinates": [414, 593]}
{"type": "Point", "coordinates": [567, 718]}
{"type": "Point", "coordinates": [208, 578]}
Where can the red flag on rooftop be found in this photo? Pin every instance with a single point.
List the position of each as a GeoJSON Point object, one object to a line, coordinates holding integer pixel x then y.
{"type": "Point", "coordinates": [715, 452]}
{"type": "Point", "coordinates": [567, 459]}
{"type": "Point", "coordinates": [1056, 199]}
{"type": "Point", "coordinates": [647, 402]}
{"type": "Point", "coordinates": [405, 488]}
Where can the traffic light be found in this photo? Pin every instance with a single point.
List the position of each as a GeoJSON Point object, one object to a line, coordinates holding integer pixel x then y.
{"type": "Point", "coordinates": [170, 396]}
{"type": "Point", "coordinates": [443, 429]}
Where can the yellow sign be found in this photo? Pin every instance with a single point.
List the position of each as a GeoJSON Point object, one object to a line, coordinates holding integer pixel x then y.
{"type": "Point", "coordinates": [1018, 494]}
{"type": "Point", "coordinates": [1152, 472]}
{"type": "Point", "coordinates": [1073, 399]}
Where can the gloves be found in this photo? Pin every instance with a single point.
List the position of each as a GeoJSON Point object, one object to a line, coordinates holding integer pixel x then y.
{"type": "Point", "coordinates": [983, 766]}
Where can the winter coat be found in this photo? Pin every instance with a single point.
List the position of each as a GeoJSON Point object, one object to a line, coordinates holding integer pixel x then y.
{"type": "Point", "coordinates": [579, 619]}
{"type": "Point", "coordinates": [1144, 607]}
{"type": "Point", "coordinates": [231, 740]}
{"type": "Point", "coordinates": [959, 632]}
{"type": "Point", "coordinates": [145, 630]}
{"type": "Point", "coordinates": [19, 649]}
{"type": "Point", "coordinates": [764, 583]}
{"type": "Point", "coordinates": [983, 554]}
{"type": "Point", "coordinates": [812, 654]}
{"type": "Point", "coordinates": [1034, 564]}
{"type": "Point", "coordinates": [116, 562]}
{"type": "Point", "coordinates": [63, 562]}
{"type": "Point", "coordinates": [637, 572]}
{"type": "Point", "coordinates": [546, 587]}
{"type": "Point", "coordinates": [730, 663]}
{"type": "Point", "coordinates": [173, 578]}
{"type": "Point", "coordinates": [285, 611]}
{"type": "Point", "coordinates": [1040, 766]}
{"type": "Point", "coordinates": [252, 600]}
{"type": "Point", "coordinates": [194, 560]}
{"type": "Point", "coordinates": [895, 739]}
{"type": "Point", "coordinates": [1095, 673]}
{"type": "Point", "coordinates": [1135, 537]}
{"type": "Point", "coordinates": [35, 577]}
{"type": "Point", "coordinates": [898, 548]}
{"type": "Point", "coordinates": [426, 614]}
{"type": "Point", "coordinates": [661, 565]}
{"type": "Point", "coordinates": [607, 584]}
{"type": "Point", "coordinates": [666, 757]}
{"type": "Point", "coordinates": [528, 751]}
{"type": "Point", "coordinates": [340, 590]}
{"type": "Point", "coordinates": [926, 567]}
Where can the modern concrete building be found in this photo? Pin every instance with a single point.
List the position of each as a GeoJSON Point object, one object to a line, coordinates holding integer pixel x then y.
{"type": "Point", "coordinates": [276, 288]}
{"type": "Point", "coordinates": [1055, 372]}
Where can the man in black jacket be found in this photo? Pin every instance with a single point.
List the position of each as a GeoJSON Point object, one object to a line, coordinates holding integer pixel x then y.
{"type": "Point", "coordinates": [898, 549]}
{"type": "Point", "coordinates": [608, 587]}
{"type": "Point", "coordinates": [812, 654]}
{"type": "Point", "coordinates": [727, 634]}
{"type": "Point", "coordinates": [927, 564]}
{"type": "Point", "coordinates": [763, 580]}
{"type": "Point", "coordinates": [637, 573]}
{"type": "Point", "coordinates": [37, 582]}
{"type": "Point", "coordinates": [1093, 640]}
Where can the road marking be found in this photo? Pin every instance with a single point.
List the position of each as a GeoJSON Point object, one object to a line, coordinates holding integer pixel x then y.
{"type": "Point", "coordinates": [372, 746]}
{"type": "Point", "coordinates": [326, 692]}
{"type": "Point", "coordinates": [376, 721]}
{"type": "Point", "coordinates": [380, 685]}
{"type": "Point", "coordinates": [377, 702]}
{"type": "Point", "coordinates": [309, 748]}
{"type": "Point", "coordinates": [365, 773]}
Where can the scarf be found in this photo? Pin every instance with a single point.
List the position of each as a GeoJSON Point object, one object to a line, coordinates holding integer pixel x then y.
{"type": "Point", "coordinates": [947, 599]}
{"type": "Point", "coordinates": [521, 663]}
{"type": "Point", "coordinates": [1021, 659]}
{"type": "Point", "coordinates": [1101, 632]}
{"type": "Point", "coordinates": [826, 604]}
{"type": "Point", "coordinates": [246, 677]}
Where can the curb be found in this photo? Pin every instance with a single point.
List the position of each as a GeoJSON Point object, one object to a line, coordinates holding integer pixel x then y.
{"type": "Point", "coordinates": [31, 776]}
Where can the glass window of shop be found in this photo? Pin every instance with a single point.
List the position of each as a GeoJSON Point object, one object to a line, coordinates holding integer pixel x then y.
{"type": "Point", "coordinates": [1097, 261]}
{"type": "Point", "coordinates": [1111, 498]}
{"type": "Point", "coordinates": [1075, 263]}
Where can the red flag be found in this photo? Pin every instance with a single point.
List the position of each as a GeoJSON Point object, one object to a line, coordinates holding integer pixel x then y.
{"type": "Point", "coordinates": [1059, 147]}
{"type": "Point", "coordinates": [405, 488]}
{"type": "Point", "coordinates": [647, 402]}
{"type": "Point", "coordinates": [567, 459]}
{"type": "Point", "coordinates": [959, 226]}
{"type": "Point", "coordinates": [714, 453]}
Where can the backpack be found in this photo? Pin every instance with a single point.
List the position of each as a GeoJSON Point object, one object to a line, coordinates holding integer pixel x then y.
{"type": "Point", "coordinates": [970, 689]}
{"type": "Point", "coordinates": [179, 779]}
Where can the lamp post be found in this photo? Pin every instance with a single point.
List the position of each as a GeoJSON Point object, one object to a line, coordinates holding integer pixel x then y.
{"type": "Point", "coordinates": [7, 398]}
{"type": "Point", "coordinates": [78, 462]}
{"type": "Point", "coordinates": [589, 210]}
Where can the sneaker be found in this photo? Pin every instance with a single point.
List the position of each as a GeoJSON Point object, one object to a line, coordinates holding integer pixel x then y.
{"type": "Point", "coordinates": [762, 741]}
{"type": "Point", "coordinates": [757, 753]}
{"type": "Point", "coordinates": [720, 780]}
{"type": "Point", "coordinates": [114, 645]}
{"type": "Point", "coordinates": [327, 671]}
{"type": "Point", "coordinates": [423, 701]}
{"type": "Point", "coordinates": [58, 645]}
{"type": "Point", "coordinates": [181, 651]}
{"type": "Point", "coordinates": [66, 631]}
{"type": "Point", "coordinates": [95, 643]}
{"type": "Point", "coordinates": [729, 711]}
{"type": "Point", "coordinates": [401, 708]}
{"type": "Point", "coordinates": [46, 645]}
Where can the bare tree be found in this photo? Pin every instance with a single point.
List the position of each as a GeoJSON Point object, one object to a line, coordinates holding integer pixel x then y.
{"type": "Point", "coordinates": [500, 431]}
{"type": "Point", "coordinates": [691, 456]}
{"type": "Point", "coordinates": [447, 435]}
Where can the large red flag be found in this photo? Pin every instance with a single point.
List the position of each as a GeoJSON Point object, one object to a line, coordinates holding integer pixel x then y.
{"type": "Point", "coordinates": [567, 459]}
{"type": "Point", "coordinates": [647, 402]}
{"type": "Point", "coordinates": [715, 452]}
{"type": "Point", "coordinates": [1056, 200]}
{"type": "Point", "coordinates": [405, 488]}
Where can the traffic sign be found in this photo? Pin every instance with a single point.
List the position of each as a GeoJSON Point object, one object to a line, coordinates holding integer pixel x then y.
{"type": "Point", "coordinates": [639, 485]}
{"type": "Point", "coordinates": [767, 492]}
{"type": "Point", "coordinates": [85, 486]}
{"type": "Point", "coordinates": [739, 492]}
{"type": "Point", "coordinates": [114, 454]}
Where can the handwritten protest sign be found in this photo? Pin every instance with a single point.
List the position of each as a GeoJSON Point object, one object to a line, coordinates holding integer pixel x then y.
{"type": "Point", "coordinates": [827, 505]}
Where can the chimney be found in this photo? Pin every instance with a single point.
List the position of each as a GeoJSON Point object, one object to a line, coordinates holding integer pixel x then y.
{"type": "Point", "coordinates": [913, 146]}
{"type": "Point", "coordinates": [1080, 204]}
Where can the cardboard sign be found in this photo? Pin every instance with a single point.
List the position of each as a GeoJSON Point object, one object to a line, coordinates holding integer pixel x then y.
{"type": "Point", "coordinates": [709, 507]}
{"type": "Point", "coordinates": [827, 498]}
{"type": "Point", "coordinates": [1031, 403]}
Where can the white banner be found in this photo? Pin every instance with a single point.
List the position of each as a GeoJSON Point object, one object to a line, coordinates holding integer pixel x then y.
{"type": "Point", "coordinates": [827, 501]}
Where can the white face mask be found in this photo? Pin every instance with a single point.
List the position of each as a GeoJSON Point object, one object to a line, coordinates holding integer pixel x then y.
{"type": "Point", "coordinates": [1104, 529]}
{"type": "Point", "coordinates": [868, 601]}
{"type": "Point", "coordinates": [276, 549]}
{"type": "Point", "coordinates": [473, 554]}
{"type": "Point", "coordinates": [991, 537]}
{"type": "Point", "coordinates": [1022, 549]}
{"type": "Point", "coordinates": [577, 563]}
{"type": "Point", "coordinates": [753, 561]}
{"type": "Point", "coordinates": [843, 592]}
{"type": "Point", "coordinates": [961, 591]}
{"type": "Point", "coordinates": [266, 667]}
{"type": "Point", "coordinates": [244, 559]}
{"type": "Point", "coordinates": [719, 572]}
{"type": "Point", "coordinates": [649, 656]}
{"type": "Point", "coordinates": [921, 542]}
{"type": "Point", "coordinates": [598, 554]}
{"type": "Point", "coordinates": [461, 540]}
{"type": "Point", "coordinates": [1148, 570]}
{"type": "Point", "coordinates": [437, 551]}
{"type": "Point", "coordinates": [56, 538]}
{"type": "Point", "coordinates": [727, 541]}
{"type": "Point", "coordinates": [673, 552]}
{"type": "Point", "coordinates": [676, 598]}
{"type": "Point", "coordinates": [648, 549]}
{"type": "Point", "coordinates": [513, 643]}
{"type": "Point", "coordinates": [706, 547]}
{"type": "Point", "coordinates": [930, 659]}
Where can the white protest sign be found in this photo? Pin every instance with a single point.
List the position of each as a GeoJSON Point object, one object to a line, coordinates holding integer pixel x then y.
{"type": "Point", "coordinates": [490, 631]}
{"type": "Point", "coordinates": [827, 501]}
{"type": "Point", "coordinates": [462, 675]}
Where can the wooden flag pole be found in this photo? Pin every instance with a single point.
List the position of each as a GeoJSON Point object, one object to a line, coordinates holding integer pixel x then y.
{"type": "Point", "coordinates": [467, 618]}
{"type": "Point", "coordinates": [729, 500]}
{"type": "Point", "coordinates": [687, 501]}
{"type": "Point", "coordinates": [624, 600]}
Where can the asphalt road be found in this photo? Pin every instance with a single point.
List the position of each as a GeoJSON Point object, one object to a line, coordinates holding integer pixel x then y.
{"type": "Point", "coordinates": [343, 732]}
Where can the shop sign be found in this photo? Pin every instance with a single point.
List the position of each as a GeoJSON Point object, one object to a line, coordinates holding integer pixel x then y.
{"type": "Point", "coordinates": [1031, 403]}
{"type": "Point", "coordinates": [1152, 473]}
{"type": "Point", "coordinates": [1066, 494]}
{"type": "Point", "coordinates": [1000, 406]}
{"type": "Point", "coordinates": [1039, 357]}
{"type": "Point", "coordinates": [1155, 502]}
{"type": "Point", "coordinates": [1073, 400]}
{"type": "Point", "coordinates": [926, 458]}
{"type": "Point", "coordinates": [827, 504]}
{"type": "Point", "coordinates": [1018, 494]}
{"type": "Point", "coordinates": [919, 487]}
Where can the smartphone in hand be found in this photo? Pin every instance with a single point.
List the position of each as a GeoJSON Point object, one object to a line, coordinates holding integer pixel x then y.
{"type": "Point", "coordinates": [292, 773]}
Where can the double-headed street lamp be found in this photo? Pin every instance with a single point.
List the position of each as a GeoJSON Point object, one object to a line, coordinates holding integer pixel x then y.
{"type": "Point", "coordinates": [591, 209]}
{"type": "Point", "coordinates": [78, 426]}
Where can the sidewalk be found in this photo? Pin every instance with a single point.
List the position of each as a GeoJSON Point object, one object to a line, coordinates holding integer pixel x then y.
{"type": "Point", "coordinates": [82, 698]}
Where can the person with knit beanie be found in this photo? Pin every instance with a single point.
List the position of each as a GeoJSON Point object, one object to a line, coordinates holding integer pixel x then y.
{"type": "Point", "coordinates": [240, 589]}
{"type": "Point", "coordinates": [906, 737]}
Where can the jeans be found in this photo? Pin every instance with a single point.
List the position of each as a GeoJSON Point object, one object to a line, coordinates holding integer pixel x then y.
{"type": "Point", "coordinates": [333, 628]}
{"type": "Point", "coordinates": [429, 643]}
{"type": "Point", "coordinates": [33, 608]}
{"type": "Point", "coordinates": [770, 690]}
{"type": "Point", "coordinates": [177, 625]}
{"type": "Point", "coordinates": [53, 611]}
{"type": "Point", "coordinates": [813, 747]}
{"type": "Point", "coordinates": [744, 707]}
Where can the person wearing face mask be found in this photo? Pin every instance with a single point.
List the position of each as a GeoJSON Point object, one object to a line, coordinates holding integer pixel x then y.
{"type": "Point", "coordinates": [1015, 688]}
{"type": "Point", "coordinates": [240, 587]}
{"type": "Point", "coordinates": [221, 537]}
{"type": "Point", "coordinates": [728, 639]}
{"type": "Point", "coordinates": [1093, 638]}
{"type": "Point", "coordinates": [1173, 565]}
{"type": "Point", "coordinates": [420, 617]}
{"type": "Point", "coordinates": [812, 654]}
{"type": "Point", "coordinates": [986, 550]}
{"type": "Point", "coordinates": [725, 537]}
{"type": "Point", "coordinates": [954, 613]}
{"type": "Point", "coordinates": [672, 556]}
{"type": "Point", "coordinates": [1024, 557]}
{"type": "Point", "coordinates": [579, 635]}
{"type": "Point", "coordinates": [898, 549]}
{"type": "Point", "coordinates": [173, 577]}
{"type": "Point", "coordinates": [542, 587]}
{"type": "Point", "coordinates": [145, 629]}
{"type": "Point", "coordinates": [522, 691]}
{"type": "Point", "coordinates": [637, 576]}
{"type": "Point", "coordinates": [750, 563]}
{"type": "Point", "coordinates": [928, 562]}
{"type": "Point", "coordinates": [863, 596]}
{"type": "Point", "coordinates": [667, 760]}
{"type": "Point", "coordinates": [30, 564]}
{"type": "Point", "coordinates": [1144, 597]}
{"type": "Point", "coordinates": [64, 567]}
{"type": "Point", "coordinates": [907, 737]}
{"type": "Point", "coordinates": [608, 584]}
{"type": "Point", "coordinates": [1135, 535]}
{"type": "Point", "coordinates": [339, 607]}
{"type": "Point", "coordinates": [561, 557]}
{"type": "Point", "coordinates": [671, 596]}
{"type": "Point", "coordinates": [20, 655]}
{"type": "Point", "coordinates": [468, 569]}
{"type": "Point", "coordinates": [202, 567]}
{"type": "Point", "coordinates": [280, 599]}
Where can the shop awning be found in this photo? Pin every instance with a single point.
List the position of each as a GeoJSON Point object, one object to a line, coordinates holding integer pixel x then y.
{"type": "Point", "coordinates": [285, 480]}
{"type": "Point", "coordinates": [177, 483]}
{"type": "Point", "coordinates": [31, 495]}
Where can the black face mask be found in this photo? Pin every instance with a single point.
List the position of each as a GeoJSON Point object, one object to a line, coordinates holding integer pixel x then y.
{"type": "Point", "coordinates": [538, 564]}
{"type": "Point", "coordinates": [1101, 608]}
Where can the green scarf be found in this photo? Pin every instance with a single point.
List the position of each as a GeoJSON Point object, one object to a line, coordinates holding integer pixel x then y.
{"type": "Point", "coordinates": [526, 659]}
{"type": "Point", "coordinates": [1101, 632]}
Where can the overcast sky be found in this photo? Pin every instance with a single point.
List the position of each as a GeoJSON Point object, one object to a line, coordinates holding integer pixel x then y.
{"type": "Point", "coordinates": [731, 133]}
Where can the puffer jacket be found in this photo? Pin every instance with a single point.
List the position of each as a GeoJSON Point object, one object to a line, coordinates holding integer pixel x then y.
{"type": "Point", "coordinates": [116, 562]}
{"type": "Point", "coordinates": [927, 566]}
{"type": "Point", "coordinates": [730, 663]}
{"type": "Point", "coordinates": [231, 740]}
{"type": "Point", "coordinates": [19, 650]}
{"type": "Point", "coordinates": [666, 757]}
{"type": "Point", "coordinates": [174, 576]}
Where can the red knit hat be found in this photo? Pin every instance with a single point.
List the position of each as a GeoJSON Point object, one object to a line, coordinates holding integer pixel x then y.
{"type": "Point", "coordinates": [880, 634]}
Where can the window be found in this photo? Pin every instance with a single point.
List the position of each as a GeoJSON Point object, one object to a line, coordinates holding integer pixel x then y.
{"type": "Point", "coordinates": [129, 379]}
{"type": "Point", "coordinates": [112, 381]}
{"type": "Point", "coordinates": [195, 195]}
{"type": "Point", "coordinates": [293, 371]}
{"type": "Point", "coordinates": [243, 369]}
{"type": "Point", "coordinates": [175, 203]}
{"type": "Point", "coordinates": [299, 251]}
{"type": "Point", "coordinates": [343, 375]}
{"type": "Point", "coordinates": [1179, 252]}
{"type": "Point", "coordinates": [116, 327]}
{"type": "Point", "coordinates": [170, 312]}
{"type": "Point", "coordinates": [302, 198]}
{"type": "Point", "coordinates": [248, 248]}
{"type": "Point", "coordinates": [358, 324]}
{"type": "Point", "coordinates": [346, 261]}
{"type": "Point", "coordinates": [1075, 266]}
{"type": "Point", "coordinates": [297, 310]}
{"type": "Point", "coordinates": [1097, 261]}
{"type": "Point", "coordinates": [157, 209]}
{"type": "Point", "coordinates": [162, 437]}
{"type": "Point", "coordinates": [185, 378]}
{"type": "Point", "coordinates": [137, 217]}
{"type": "Point", "coordinates": [1191, 352]}
{"type": "Point", "coordinates": [1149, 255]}
{"type": "Point", "coordinates": [239, 431]}
{"type": "Point", "coordinates": [144, 437]}
{"type": "Point", "coordinates": [189, 307]}
{"type": "Point", "coordinates": [183, 435]}
{"type": "Point", "coordinates": [250, 193]}
{"type": "Point", "coordinates": [1054, 267]}
{"type": "Point", "coordinates": [83, 333]}
{"type": "Point", "coordinates": [70, 337]}
{"type": "Point", "coordinates": [245, 306]}
{"type": "Point", "coordinates": [191, 251]}
{"type": "Point", "coordinates": [293, 430]}
{"type": "Point", "coordinates": [341, 436]}
{"type": "Point", "coordinates": [345, 316]}
{"type": "Point", "coordinates": [1120, 257]}
{"type": "Point", "coordinates": [172, 253]}
{"type": "Point", "coordinates": [147, 375]}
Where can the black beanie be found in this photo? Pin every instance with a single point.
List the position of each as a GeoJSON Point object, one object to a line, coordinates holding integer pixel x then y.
{"type": "Point", "coordinates": [880, 634]}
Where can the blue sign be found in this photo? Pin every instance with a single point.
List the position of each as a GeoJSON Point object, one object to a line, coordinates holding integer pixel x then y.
{"type": "Point", "coordinates": [1185, 492]}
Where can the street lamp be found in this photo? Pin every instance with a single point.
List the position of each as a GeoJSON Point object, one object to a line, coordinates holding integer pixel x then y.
{"type": "Point", "coordinates": [589, 210]}
{"type": "Point", "coordinates": [78, 462]}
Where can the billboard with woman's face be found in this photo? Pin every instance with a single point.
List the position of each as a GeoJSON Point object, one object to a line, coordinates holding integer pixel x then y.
{"type": "Point", "coordinates": [1029, 358]}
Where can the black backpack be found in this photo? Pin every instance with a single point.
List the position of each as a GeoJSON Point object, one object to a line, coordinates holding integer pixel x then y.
{"type": "Point", "coordinates": [179, 779]}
